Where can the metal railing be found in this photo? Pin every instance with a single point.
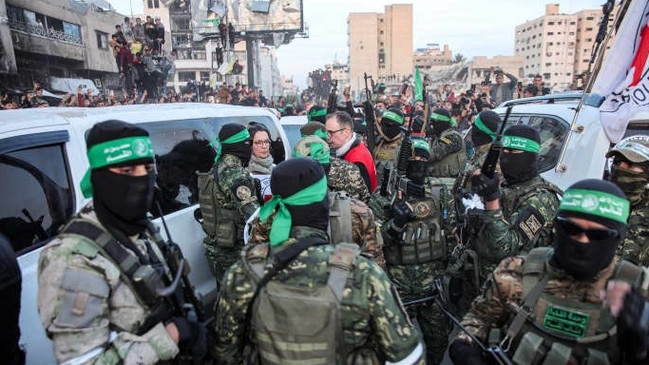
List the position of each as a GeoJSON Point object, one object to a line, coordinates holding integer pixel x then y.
{"type": "Point", "coordinates": [40, 30]}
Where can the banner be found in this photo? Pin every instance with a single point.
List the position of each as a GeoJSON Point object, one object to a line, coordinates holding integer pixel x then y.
{"type": "Point", "coordinates": [419, 85]}
{"type": "Point", "coordinates": [623, 80]}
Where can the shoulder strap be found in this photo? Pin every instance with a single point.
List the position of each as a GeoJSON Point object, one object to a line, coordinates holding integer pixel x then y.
{"type": "Point", "coordinates": [126, 261]}
{"type": "Point", "coordinates": [341, 263]}
{"type": "Point", "coordinates": [633, 274]}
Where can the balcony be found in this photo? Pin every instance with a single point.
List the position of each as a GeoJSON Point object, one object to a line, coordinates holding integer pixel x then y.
{"type": "Point", "coordinates": [40, 31]}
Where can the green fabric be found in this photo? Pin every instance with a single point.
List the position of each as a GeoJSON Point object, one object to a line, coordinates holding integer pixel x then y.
{"type": "Point", "coordinates": [281, 227]}
{"type": "Point", "coordinates": [419, 85]}
{"type": "Point", "coordinates": [393, 117]}
{"type": "Point", "coordinates": [316, 152]}
{"type": "Point", "coordinates": [521, 143]}
{"type": "Point", "coordinates": [316, 113]}
{"type": "Point", "coordinates": [441, 118]}
{"type": "Point", "coordinates": [318, 133]}
{"type": "Point", "coordinates": [421, 144]}
{"type": "Point", "coordinates": [240, 136]}
{"type": "Point", "coordinates": [115, 152]}
{"type": "Point", "coordinates": [483, 127]}
{"type": "Point", "coordinates": [596, 203]}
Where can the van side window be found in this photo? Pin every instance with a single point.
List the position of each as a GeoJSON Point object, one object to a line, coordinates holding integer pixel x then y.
{"type": "Point", "coordinates": [36, 195]}
{"type": "Point", "coordinates": [553, 133]}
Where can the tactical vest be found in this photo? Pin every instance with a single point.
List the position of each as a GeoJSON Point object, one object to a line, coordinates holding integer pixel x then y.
{"type": "Point", "coordinates": [453, 164]}
{"type": "Point", "coordinates": [514, 195]}
{"type": "Point", "coordinates": [300, 325]}
{"type": "Point", "coordinates": [340, 217]}
{"type": "Point", "coordinates": [423, 240]}
{"type": "Point", "coordinates": [385, 155]}
{"type": "Point", "coordinates": [552, 330]}
{"type": "Point", "coordinates": [222, 226]}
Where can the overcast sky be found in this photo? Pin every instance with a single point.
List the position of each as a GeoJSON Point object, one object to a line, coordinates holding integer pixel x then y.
{"type": "Point", "coordinates": [469, 27]}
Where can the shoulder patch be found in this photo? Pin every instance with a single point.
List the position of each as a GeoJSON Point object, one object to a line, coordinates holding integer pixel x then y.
{"type": "Point", "coordinates": [445, 140]}
{"type": "Point", "coordinates": [242, 192]}
{"type": "Point", "coordinates": [421, 209]}
{"type": "Point", "coordinates": [529, 223]}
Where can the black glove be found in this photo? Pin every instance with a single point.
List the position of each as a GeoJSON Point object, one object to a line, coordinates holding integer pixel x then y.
{"type": "Point", "coordinates": [487, 188]}
{"type": "Point", "coordinates": [633, 324]}
{"type": "Point", "coordinates": [401, 214]}
{"type": "Point", "coordinates": [192, 336]}
{"type": "Point", "coordinates": [462, 353]}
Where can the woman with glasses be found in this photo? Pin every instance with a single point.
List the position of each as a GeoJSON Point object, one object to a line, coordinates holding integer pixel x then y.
{"type": "Point", "coordinates": [261, 161]}
{"type": "Point", "coordinates": [556, 305]}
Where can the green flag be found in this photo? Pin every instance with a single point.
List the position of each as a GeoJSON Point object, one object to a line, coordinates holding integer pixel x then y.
{"type": "Point", "coordinates": [419, 85]}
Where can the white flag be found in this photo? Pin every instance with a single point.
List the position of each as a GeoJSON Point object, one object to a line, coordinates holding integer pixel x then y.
{"type": "Point", "coordinates": [624, 79]}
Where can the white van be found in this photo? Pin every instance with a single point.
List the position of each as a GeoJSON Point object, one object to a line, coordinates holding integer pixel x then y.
{"type": "Point", "coordinates": [43, 159]}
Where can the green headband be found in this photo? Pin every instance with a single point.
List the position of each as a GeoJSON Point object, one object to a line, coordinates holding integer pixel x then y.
{"type": "Point", "coordinates": [240, 136]}
{"type": "Point", "coordinates": [115, 152]}
{"type": "Point", "coordinates": [318, 133]}
{"type": "Point", "coordinates": [282, 223]}
{"type": "Point", "coordinates": [521, 143]}
{"type": "Point", "coordinates": [317, 113]}
{"type": "Point", "coordinates": [420, 144]}
{"type": "Point", "coordinates": [393, 117]}
{"type": "Point", "coordinates": [440, 118]}
{"type": "Point", "coordinates": [596, 203]}
{"type": "Point", "coordinates": [316, 152]}
{"type": "Point", "coordinates": [481, 126]}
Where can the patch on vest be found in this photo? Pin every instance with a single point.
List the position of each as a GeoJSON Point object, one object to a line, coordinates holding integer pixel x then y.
{"type": "Point", "coordinates": [243, 192]}
{"type": "Point", "coordinates": [566, 321]}
{"type": "Point", "coordinates": [445, 140]}
{"type": "Point", "coordinates": [384, 155]}
{"type": "Point", "coordinates": [421, 209]}
{"type": "Point", "coordinates": [530, 223]}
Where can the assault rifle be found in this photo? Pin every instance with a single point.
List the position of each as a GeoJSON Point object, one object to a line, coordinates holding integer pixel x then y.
{"type": "Point", "coordinates": [333, 97]}
{"type": "Point", "coordinates": [370, 117]}
{"type": "Point", "coordinates": [494, 351]}
{"type": "Point", "coordinates": [189, 306]}
{"type": "Point", "coordinates": [489, 164]}
{"type": "Point", "coordinates": [394, 178]}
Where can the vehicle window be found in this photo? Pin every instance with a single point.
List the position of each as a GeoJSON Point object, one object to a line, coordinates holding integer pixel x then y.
{"type": "Point", "coordinates": [553, 133]}
{"type": "Point", "coordinates": [36, 195]}
{"type": "Point", "coordinates": [292, 133]}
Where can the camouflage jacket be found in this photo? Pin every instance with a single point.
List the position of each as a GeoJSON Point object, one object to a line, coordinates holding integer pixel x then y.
{"type": "Point", "coordinates": [83, 303]}
{"type": "Point", "coordinates": [371, 311]}
{"type": "Point", "coordinates": [447, 154]}
{"type": "Point", "coordinates": [385, 156]}
{"type": "Point", "coordinates": [496, 306]}
{"type": "Point", "coordinates": [236, 188]}
{"type": "Point", "coordinates": [523, 223]}
{"type": "Point", "coordinates": [364, 231]}
{"type": "Point", "coordinates": [345, 176]}
{"type": "Point", "coordinates": [635, 247]}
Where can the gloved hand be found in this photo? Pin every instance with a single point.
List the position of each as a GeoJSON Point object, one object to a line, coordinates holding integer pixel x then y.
{"type": "Point", "coordinates": [633, 325]}
{"type": "Point", "coordinates": [462, 353]}
{"type": "Point", "coordinates": [192, 336]}
{"type": "Point", "coordinates": [401, 214]}
{"type": "Point", "coordinates": [487, 188]}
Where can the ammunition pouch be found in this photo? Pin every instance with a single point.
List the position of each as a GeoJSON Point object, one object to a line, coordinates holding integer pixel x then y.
{"type": "Point", "coordinates": [420, 242]}
{"type": "Point", "coordinates": [226, 228]}
{"type": "Point", "coordinates": [145, 281]}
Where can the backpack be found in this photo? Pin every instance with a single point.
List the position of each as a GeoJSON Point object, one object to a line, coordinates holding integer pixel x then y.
{"type": "Point", "coordinates": [298, 325]}
{"type": "Point", "coordinates": [340, 217]}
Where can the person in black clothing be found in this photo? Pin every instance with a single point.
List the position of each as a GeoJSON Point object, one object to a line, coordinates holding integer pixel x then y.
{"type": "Point", "coordinates": [10, 287]}
{"type": "Point", "coordinates": [231, 35]}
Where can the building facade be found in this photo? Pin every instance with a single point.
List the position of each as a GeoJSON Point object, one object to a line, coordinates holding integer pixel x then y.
{"type": "Point", "coordinates": [380, 44]}
{"type": "Point", "coordinates": [431, 56]}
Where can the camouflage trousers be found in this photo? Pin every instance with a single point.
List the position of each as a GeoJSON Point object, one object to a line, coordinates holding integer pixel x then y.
{"type": "Point", "coordinates": [415, 282]}
{"type": "Point", "coordinates": [221, 258]}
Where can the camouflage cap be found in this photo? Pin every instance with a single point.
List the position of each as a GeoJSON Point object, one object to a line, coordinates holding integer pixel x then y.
{"type": "Point", "coordinates": [633, 148]}
{"type": "Point", "coordinates": [313, 147]}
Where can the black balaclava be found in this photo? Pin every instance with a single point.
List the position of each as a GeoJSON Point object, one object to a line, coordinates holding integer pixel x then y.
{"type": "Point", "coordinates": [440, 120]}
{"type": "Point", "coordinates": [598, 201]}
{"type": "Point", "coordinates": [121, 201]}
{"type": "Point", "coordinates": [294, 175]}
{"type": "Point", "coordinates": [633, 183]}
{"type": "Point", "coordinates": [635, 151]}
{"type": "Point", "coordinates": [484, 128]}
{"type": "Point", "coordinates": [519, 167]}
{"type": "Point", "coordinates": [242, 150]}
{"type": "Point", "coordinates": [391, 123]}
{"type": "Point", "coordinates": [417, 170]}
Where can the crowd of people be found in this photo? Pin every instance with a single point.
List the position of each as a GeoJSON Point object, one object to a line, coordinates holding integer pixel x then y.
{"type": "Point", "coordinates": [389, 218]}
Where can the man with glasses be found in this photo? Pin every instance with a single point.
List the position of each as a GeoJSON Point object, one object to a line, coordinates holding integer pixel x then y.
{"type": "Point", "coordinates": [342, 138]}
{"type": "Point", "coordinates": [553, 302]}
{"type": "Point", "coordinates": [630, 172]}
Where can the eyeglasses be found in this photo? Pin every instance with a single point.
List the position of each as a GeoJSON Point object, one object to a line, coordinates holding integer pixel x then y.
{"type": "Point", "coordinates": [595, 234]}
{"type": "Point", "coordinates": [262, 143]}
{"type": "Point", "coordinates": [331, 133]}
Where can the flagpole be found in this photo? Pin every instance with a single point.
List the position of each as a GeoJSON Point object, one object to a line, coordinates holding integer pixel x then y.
{"type": "Point", "coordinates": [560, 167]}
